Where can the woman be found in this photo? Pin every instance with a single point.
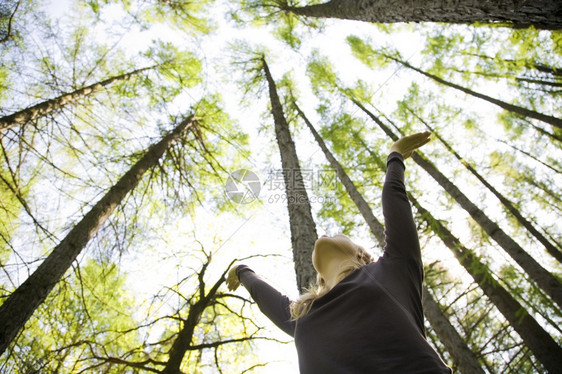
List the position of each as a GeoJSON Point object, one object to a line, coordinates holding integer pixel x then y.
{"type": "Point", "coordinates": [363, 316]}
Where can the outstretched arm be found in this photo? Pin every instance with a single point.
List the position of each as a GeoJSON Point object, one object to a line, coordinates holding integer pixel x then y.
{"type": "Point", "coordinates": [271, 302]}
{"type": "Point", "coordinates": [400, 230]}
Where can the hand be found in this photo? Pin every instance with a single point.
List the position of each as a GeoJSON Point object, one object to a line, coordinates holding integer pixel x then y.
{"type": "Point", "coordinates": [232, 281]}
{"type": "Point", "coordinates": [406, 145]}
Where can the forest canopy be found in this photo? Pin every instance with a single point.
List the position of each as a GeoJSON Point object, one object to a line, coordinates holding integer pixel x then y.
{"type": "Point", "coordinates": [145, 150]}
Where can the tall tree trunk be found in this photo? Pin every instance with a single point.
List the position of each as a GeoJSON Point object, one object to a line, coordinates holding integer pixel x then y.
{"type": "Point", "coordinates": [21, 304]}
{"type": "Point", "coordinates": [303, 228]}
{"type": "Point", "coordinates": [524, 112]}
{"type": "Point", "coordinates": [543, 346]}
{"type": "Point", "coordinates": [542, 14]}
{"type": "Point", "coordinates": [550, 247]}
{"type": "Point", "coordinates": [455, 345]}
{"type": "Point", "coordinates": [25, 115]}
{"type": "Point", "coordinates": [376, 227]}
{"type": "Point", "coordinates": [550, 284]}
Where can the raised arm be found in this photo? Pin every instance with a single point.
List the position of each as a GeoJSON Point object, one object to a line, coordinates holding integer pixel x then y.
{"type": "Point", "coordinates": [400, 230]}
{"type": "Point", "coordinates": [271, 302]}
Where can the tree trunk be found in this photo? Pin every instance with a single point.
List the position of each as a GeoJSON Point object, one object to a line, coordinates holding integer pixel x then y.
{"type": "Point", "coordinates": [545, 280]}
{"type": "Point", "coordinates": [537, 81]}
{"type": "Point", "coordinates": [21, 304]}
{"type": "Point", "coordinates": [552, 70]}
{"type": "Point", "coordinates": [7, 34]}
{"type": "Point", "coordinates": [543, 346]}
{"type": "Point", "coordinates": [303, 228]}
{"type": "Point", "coordinates": [376, 227]}
{"type": "Point", "coordinates": [550, 247]}
{"type": "Point", "coordinates": [49, 106]}
{"type": "Point", "coordinates": [536, 159]}
{"type": "Point", "coordinates": [183, 341]}
{"type": "Point", "coordinates": [455, 345]}
{"type": "Point", "coordinates": [542, 14]}
{"type": "Point", "coordinates": [524, 112]}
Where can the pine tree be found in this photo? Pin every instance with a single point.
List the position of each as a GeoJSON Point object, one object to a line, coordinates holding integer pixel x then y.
{"type": "Point", "coordinates": [49, 106]}
{"type": "Point", "coordinates": [365, 53]}
{"type": "Point", "coordinates": [21, 304]}
{"type": "Point", "coordinates": [303, 228]}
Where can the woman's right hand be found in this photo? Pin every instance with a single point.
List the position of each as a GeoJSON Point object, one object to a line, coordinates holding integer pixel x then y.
{"type": "Point", "coordinates": [232, 281]}
{"type": "Point", "coordinates": [408, 144]}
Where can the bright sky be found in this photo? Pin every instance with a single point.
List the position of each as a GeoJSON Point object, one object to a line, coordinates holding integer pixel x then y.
{"type": "Point", "coordinates": [263, 228]}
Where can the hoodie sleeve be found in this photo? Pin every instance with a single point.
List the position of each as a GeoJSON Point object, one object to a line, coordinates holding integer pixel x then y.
{"type": "Point", "coordinates": [271, 302]}
{"type": "Point", "coordinates": [401, 237]}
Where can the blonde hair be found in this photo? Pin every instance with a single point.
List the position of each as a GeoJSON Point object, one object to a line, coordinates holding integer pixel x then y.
{"type": "Point", "coordinates": [301, 307]}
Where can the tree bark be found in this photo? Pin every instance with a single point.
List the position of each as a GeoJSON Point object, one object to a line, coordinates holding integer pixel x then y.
{"type": "Point", "coordinates": [550, 247]}
{"type": "Point", "coordinates": [376, 227]}
{"type": "Point", "coordinates": [303, 228]}
{"type": "Point", "coordinates": [455, 345]}
{"type": "Point", "coordinates": [38, 110]}
{"type": "Point", "coordinates": [542, 14]}
{"type": "Point", "coordinates": [524, 112]}
{"type": "Point", "coordinates": [21, 304]}
{"type": "Point", "coordinates": [545, 280]}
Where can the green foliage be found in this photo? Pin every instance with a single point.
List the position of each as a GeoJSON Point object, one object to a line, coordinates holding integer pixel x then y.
{"type": "Point", "coordinates": [361, 91]}
{"type": "Point", "coordinates": [338, 213]}
{"type": "Point", "coordinates": [321, 74]}
{"type": "Point", "coordinates": [286, 32]}
{"type": "Point", "coordinates": [344, 135]}
{"type": "Point", "coordinates": [177, 71]}
{"type": "Point", "coordinates": [89, 313]}
{"type": "Point", "coordinates": [363, 51]}
{"type": "Point", "coordinates": [4, 82]}
{"type": "Point", "coordinates": [204, 160]}
{"type": "Point", "coordinates": [186, 16]}
{"type": "Point", "coordinates": [275, 14]}
{"type": "Point", "coordinates": [249, 59]}
{"type": "Point", "coordinates": [66, 160]}
{"type": "Point", "coordinates": [438, 44]}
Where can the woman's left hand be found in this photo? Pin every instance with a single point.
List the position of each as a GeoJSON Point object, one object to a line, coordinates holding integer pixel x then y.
{"type": "Point", "coordinates": [232, 281]}
{"type": "Point", "coordinates": [408, 144]}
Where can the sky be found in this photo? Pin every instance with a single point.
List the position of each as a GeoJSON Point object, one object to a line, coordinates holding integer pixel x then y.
{"type": "Point", "coordinates": [262, 226]}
